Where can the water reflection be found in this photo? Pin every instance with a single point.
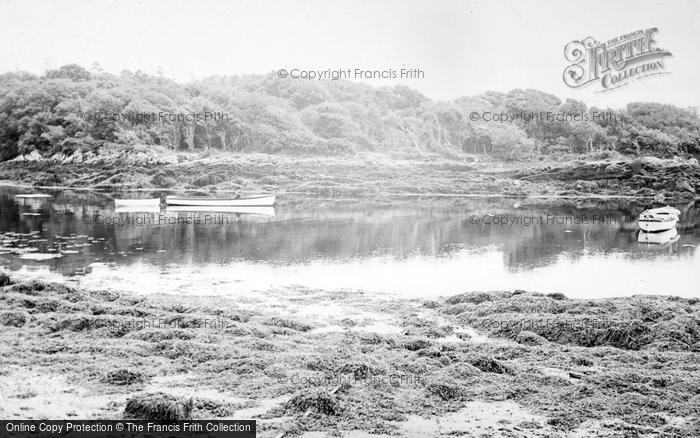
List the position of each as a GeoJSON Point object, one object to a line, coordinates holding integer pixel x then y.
{"type": "Point", "coordinates": [661, 238]}
{"type": "Point", "coordinates": [417, 251]}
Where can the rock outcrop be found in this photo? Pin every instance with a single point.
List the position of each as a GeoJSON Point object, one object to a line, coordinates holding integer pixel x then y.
{"type": "Point", "coordinates": [645, 176]}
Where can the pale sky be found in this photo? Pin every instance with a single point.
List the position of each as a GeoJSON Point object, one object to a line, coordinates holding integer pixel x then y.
{"type": "Point", "coordinates": [464, 47]}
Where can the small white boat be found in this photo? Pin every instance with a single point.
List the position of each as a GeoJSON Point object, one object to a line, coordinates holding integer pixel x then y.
{"type": "Point", "coordinates": [659, 238]}
{"type": "Point", "coordinates": [32, 195]}
{"type": "Point", "coordinates": [148, 202]}
{"type": "Point", "coordinates": [658, 219]}
{"type": "Point", "coordinates": [204, 201]}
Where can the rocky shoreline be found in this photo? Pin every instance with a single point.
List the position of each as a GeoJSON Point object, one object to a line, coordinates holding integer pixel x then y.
{"type": "Point", "coordinates": [508, 363]}
{"type": "Point", "coordinates": [368, 177]}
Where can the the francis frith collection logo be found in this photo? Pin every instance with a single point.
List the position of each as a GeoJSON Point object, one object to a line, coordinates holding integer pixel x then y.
{"type": "Point", "coordinates": [616, 62]}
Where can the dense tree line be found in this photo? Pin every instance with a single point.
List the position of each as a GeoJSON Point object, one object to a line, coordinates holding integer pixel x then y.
{"type": "Point", "coordinates": [71, 109]}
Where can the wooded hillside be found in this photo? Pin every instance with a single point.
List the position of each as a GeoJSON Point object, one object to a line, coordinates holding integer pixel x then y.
{"type": "Point", "coordinates": [74, 109]}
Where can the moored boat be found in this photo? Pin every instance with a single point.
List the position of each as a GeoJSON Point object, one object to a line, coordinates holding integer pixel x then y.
{"type": "Point", "coordinates": [658, 219]}
{"type": "Point", "coordinates": [204, 201]}
{"type": "Point", "coordinates": [32, 200]}
{"type": "Point", "coordinates": [148, 202]}
{"type": "Point", "coordinates": [32, 195]}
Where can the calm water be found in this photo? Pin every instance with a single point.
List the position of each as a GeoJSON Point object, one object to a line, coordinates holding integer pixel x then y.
{"type": "Point", "coordinates": [413, 252]}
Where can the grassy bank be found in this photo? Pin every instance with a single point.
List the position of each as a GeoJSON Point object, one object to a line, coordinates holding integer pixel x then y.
{"type": "Point", "coordinates": [370, 177]}
{"type": "Point", "coordinates": [501, 363]}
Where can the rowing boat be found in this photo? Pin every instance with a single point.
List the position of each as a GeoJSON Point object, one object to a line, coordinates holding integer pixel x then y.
{"type": "Point", "coordinates": [658, 219]}
{"type": "Point", "coordinates": [204, 201]}
{"type": "Point", "coordinates": [32, 195]}
{"type": "Point", "coordinates": [148, 202]}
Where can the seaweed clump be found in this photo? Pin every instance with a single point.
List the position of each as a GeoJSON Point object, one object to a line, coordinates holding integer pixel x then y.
{"type": "Point", "coordinates": [416, 344]}
{"type": "Point", "coordinates": [488, 365]}
{"type": "Point", "coordinates": [124, 377]}
{"type": "Point", "coordinates": [289, 324]}
{"type": "Point", "coordinates": [313, 401]}
{"type": "Point", "coordinates": [159, 406]}
{"type": "Point", "coordinates": [5, 280]}
{"type": "Point", "coordinates": [444, 387]}
{"type": "Point", "coordinates": [526, 337]}
{"type": "Point", "coordinates": [13, 319]}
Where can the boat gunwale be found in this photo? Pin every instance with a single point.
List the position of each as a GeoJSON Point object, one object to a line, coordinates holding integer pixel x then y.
{"type": "Point", "coordinates": [663, 219]}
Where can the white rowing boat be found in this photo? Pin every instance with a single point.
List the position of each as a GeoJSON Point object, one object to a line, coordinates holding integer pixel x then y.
{"type": "Point", "coordinates": [204, 201]}
{"type": "Point", "coordinates": [32, 195]}
{"type": "Point", "coordinates": [658, 219]}
{"type": "Point", "coordinates": [149, 202]}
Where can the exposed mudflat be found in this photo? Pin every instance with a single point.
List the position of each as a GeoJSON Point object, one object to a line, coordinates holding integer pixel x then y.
{"type": "Point", "coordinates": [479, 364]}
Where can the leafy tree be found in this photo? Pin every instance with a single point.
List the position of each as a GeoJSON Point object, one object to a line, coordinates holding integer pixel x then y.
{"type": "Point", "coordinates": [74, 72]}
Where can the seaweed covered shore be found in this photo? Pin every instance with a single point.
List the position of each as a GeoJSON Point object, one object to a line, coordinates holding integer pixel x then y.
{"type": "Point", "coordinates": [370, 177]}
{"type": "Point", "coordinates": [503, 363]}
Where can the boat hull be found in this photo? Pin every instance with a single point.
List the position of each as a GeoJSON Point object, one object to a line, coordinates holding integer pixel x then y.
{"type": "Point", "coordinates": [651, 226]}
{"type": "Point", "coordinates": [32, 195]}
{"type": "Point", "coordinates": [253, 201]}
{"type": "Point", "coordinates": [150, 202]}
